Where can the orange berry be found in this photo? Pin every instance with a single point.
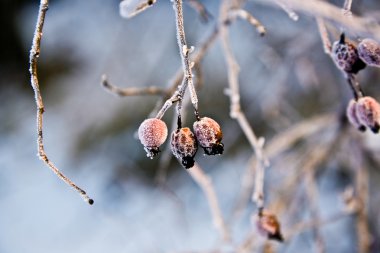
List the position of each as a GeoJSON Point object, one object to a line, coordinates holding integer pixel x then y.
{"type": "Point", "coordinates": [209, 135]}
{"type": "Point", "coordinates": [268, 226]}
{"type": "Point", "coordinates": [368, 113]}
{"type": "Point", "coordinates": [184, 146]}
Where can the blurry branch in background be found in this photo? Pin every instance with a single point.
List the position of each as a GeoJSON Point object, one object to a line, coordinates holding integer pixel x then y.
{"type": "Point", "coordinates": [201, 9]}
{"type": "Point", "coordinates": [130, 8]}
{"type": "Point", "coordinates": [324, 35]}
{"type": "Point", "coordinates": [207, 187]}
{"type": "Point", "coordinates": [347, 8]}
{"type": "Point", "coordinates": [243, 14]}
{"type": "Point", "coordinates": [292, 15]}
{"type": "Point", "coordinates": [327, 11]}
{"type": "Point", "coordinates": [132, 91]}
{"type": "Point", "coordinates": [235, 108]}
{"type": "Point", "coordinates": [34, 54]}
{"type": "Point", "coordinates": [361, 193]}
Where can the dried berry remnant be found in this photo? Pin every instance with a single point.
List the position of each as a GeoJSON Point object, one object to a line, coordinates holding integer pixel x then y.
{"type": "Point", "coordinates": [345, 56]}
{"type": "Point", "coordinates": [269, 226]}
{"type": "Point", "coordinates": [209, 135]}
{"type": "Point", "coordinates": [369, 52]}
{"type": "Point", "coordinates": [351, 113]}
{"type": "Point", "coordinates": [368, 113]}
{"type": "Point", "coordinates": [152, 134]}
{"type": "Point", "coordinates": [184, 146]}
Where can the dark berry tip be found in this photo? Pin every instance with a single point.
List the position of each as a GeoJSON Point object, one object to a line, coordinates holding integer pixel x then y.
{"type": "Point", "coordinates": [362, 128]}
{"type": "Point", "coordinates": [91, 201]}
{"type": "Point", "coordinates": [342, 39]}
{"type": "Point", "coordinates": [375, 129]}
{"type": "Point", "coordinates": [216, 149]}
{"type": "Point", "coordinates": [188, 162]}
{"type": "Point", "coordinates": [152, 151]}
{"type": "Point", "coordinates": [277, 236]}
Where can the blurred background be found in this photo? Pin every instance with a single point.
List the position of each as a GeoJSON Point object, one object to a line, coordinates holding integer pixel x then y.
{"type": "Point", "coordinates": [289, 87]}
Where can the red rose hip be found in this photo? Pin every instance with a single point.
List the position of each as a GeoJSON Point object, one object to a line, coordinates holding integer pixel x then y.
{"type": "Point", "coordinates": [209, 135]}
{"type": "Point", "coordinates": [152, 134]}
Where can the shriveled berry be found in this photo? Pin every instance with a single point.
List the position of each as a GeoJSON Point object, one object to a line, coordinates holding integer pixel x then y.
{"type": "Point", "coordinates": [352, 117]}
{"type": "Point", "coordinates": [345, 56]}
{"type": "Point", "coordinates": [209, 135]}
{"type": "Point", "coordinates": [368, 113]}
{"type": "Point", "coordinates": [369, 52]}
{"type": "Point", "coordinates": [152, 134]}
{"type": "Point", "coordinates": [268, 226]}
{"type": "Point", "coordinates": [184, 146]}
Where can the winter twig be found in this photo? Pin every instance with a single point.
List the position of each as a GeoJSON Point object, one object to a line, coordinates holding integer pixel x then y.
{"type": "Point", "coordinates": [34, 54]}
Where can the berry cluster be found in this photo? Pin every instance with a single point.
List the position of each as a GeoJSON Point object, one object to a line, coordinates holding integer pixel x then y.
{"type": "Point", "coordinates": [352, 59]}
{"type": "Point", "coordinates": [184, 143]}
{"type": "Point", "coordinates": [363, 113]}
{"type": "Point", "coordinates": [346, 57]}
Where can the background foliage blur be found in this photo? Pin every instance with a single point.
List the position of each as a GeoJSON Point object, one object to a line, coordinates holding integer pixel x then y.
{"type": "Point", "coordinates": [285, 78]}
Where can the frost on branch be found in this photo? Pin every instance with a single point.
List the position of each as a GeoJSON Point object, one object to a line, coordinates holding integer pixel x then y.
{"type": "Point", "coordinates": [130, 8]}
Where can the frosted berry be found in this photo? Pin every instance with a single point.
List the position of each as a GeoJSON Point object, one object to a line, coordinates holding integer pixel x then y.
{"type": "Point", "coordinates": [184, 146]}
{"type": "Point", "coordinates": [268, 226]}
{"type": "Point", "coordinates": [152, 134]}
{"type": "Point", "coordinates": [209, 135]}
{"type": "Point", "coordinates": [368, 113]}
{"type": "Point", "coordinates": [352, 117]}
{"type": "Point", "coordinates": [345, 56]}
{"type": "Point", "coordinates": [369, 52]}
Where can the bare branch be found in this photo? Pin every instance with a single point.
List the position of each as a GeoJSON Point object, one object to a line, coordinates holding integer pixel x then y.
{"type": "Point", "coordinates": [324, 35]}
{"type": "Point", "coordinates": [131, 91]}
{"type": "Point", "coordinates": [235, 109]}
{"type": "Point", "coordinates": [34, 54]}
{"type": "Point", "coordinates": [206, 185]}
{"type": "Point", "coordinates": [347, 8]}
{"type": "Point", "coordinates": [330, 12]}
{"type": "Point", "coordinates": [130, 8]}
{"type": "Point", "coordinates": [184, 51]}
{"type": "Point", "coordinates": [243, 14]}
{"type": "Point", "coordinates": [201, 9]}
{"type": "Point", "coordinates": [292, 15]}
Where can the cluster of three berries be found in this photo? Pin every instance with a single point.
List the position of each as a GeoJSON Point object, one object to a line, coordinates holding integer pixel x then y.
{"type": "Point", "coordinates": [184, 143]}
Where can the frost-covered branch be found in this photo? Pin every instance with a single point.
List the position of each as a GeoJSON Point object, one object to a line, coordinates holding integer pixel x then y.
{"type": "Point", "coordinates": [34, 54]}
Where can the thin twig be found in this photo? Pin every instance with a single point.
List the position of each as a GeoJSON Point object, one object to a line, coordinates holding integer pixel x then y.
{"type": "Point", "coordinates": [306, 225]}
{"type": "Point", "coordinates": [347, 8]}
{"type": "Point", "coordinates": [328, 11]}
{"type": "Point", "coordinates": [243, 14]}
{"type": "Point", "coordinates": [324, 35]}
{"type": "Point", "coordinates": [362, 192]}
{"type": "Point", "coordinates": [207, 187]}
{"type": "Point", "coordinates": [34, 54]}
{"type": "Point", "coordinates": [131, 91]}
{"type": "Point", "coordinates": [292, 15]}
{"type": "Point", "coordinates": [201, 9]}
{"type": "Point", "coordinates": [184, 52]}
{"type": "Point", "coordinates": [355, 86]}
{"type": "Point", "coordinates": [235, 108]}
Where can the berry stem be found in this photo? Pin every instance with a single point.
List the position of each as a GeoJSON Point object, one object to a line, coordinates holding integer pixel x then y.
{"type": "Point", "coordinates": [184, 52]}
{"type": "Point", "coordinates": [355, 86]}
